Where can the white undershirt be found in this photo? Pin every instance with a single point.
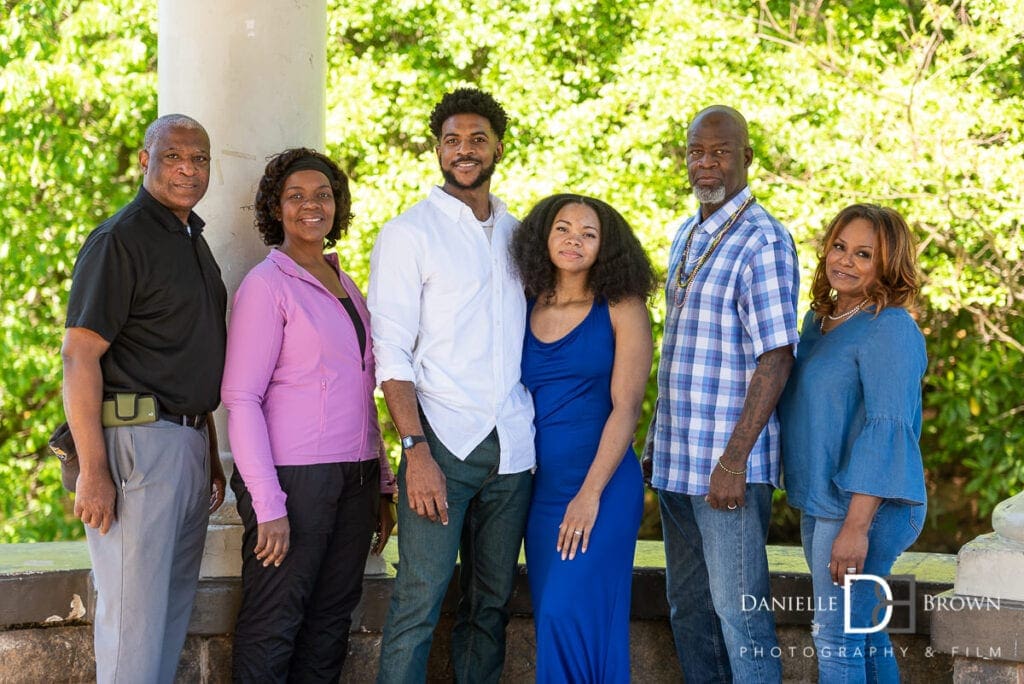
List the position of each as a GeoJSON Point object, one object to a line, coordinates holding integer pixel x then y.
{"type": "Point", "coordinates": [488, 225]}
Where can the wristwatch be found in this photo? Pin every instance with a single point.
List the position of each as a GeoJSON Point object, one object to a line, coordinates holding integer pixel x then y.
{"type": "Point", "coordinates": [409, 441]}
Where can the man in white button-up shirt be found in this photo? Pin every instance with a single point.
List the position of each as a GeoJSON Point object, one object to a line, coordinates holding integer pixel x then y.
{"type": "Point", "coordinates": [448, 315]}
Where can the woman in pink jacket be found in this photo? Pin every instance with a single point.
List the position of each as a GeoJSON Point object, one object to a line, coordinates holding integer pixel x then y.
{"type": "Point", "coordinates": [310, 468]}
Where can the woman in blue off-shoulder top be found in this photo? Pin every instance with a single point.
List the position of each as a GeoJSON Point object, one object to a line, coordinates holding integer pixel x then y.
{"type": "Point", "coordinates": [851, 424]}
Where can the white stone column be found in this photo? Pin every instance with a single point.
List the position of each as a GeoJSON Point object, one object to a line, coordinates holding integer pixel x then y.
{"type": "Point", "coordinates": [254, 74]}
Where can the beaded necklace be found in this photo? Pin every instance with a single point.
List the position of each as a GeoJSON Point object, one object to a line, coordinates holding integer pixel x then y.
{"type": "Point", "coordinates": [840, 317]}
{"type": "Point", "coordinates": [683, 286]}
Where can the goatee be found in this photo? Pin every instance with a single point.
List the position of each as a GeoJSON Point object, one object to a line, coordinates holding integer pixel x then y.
{"type": "Point", "coordinates": [715, 195]}
{"type": "Point", "coordinates": [485, 175]}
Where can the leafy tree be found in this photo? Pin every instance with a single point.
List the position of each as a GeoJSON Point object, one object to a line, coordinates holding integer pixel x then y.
{"type": "Point", "coordinates": [912, 103]}
{"type": "Point", "coordinates": [915, 105]}
{"type": "Point", "coordinates": [77, 80]}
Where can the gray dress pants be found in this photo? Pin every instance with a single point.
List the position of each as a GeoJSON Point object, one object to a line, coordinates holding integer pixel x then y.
{"type": "Point", "coordinates": [146, 567]}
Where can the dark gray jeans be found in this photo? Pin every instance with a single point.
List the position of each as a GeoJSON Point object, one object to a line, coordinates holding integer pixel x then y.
{"type": "Point", "coordinates": [486, 519]}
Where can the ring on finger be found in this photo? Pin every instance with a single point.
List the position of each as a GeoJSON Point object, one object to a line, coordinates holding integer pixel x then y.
{"type": "Point", "coordinates": [577, 533]}
{"type": "Point", "coordinates": [851, 571]}
{"type": "Point", "coordinates": [731, 507]}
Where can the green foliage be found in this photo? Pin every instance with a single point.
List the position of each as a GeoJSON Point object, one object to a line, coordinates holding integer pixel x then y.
{"type": "Point", "coordinates": [913, 104]}
{"type": "Point", "coordinates": [974, 401]}
{"type": "Point", "coordinates": [77, 82]}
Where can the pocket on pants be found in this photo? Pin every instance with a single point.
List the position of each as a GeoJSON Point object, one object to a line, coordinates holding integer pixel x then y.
{"type": "Point", "coordinates": [120, 454]}
{"type": "Point", "coordinates": [917, 515]}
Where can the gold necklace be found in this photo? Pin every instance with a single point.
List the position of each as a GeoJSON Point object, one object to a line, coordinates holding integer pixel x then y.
{"type": "Point", "coordinates": [683, 286]}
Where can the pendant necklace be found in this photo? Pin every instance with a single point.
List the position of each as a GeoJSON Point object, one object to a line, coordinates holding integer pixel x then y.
{"type": "Point", "coordinates": [684, 281]}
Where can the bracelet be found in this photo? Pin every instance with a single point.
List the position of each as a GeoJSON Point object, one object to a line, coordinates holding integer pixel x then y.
{"type": "Point", "coordinates": [729, 470]}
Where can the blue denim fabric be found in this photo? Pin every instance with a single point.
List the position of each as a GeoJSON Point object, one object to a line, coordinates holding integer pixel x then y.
{"type": "Point", "coordinates": [714, 559]}
{"type": "Point", "coordinates": [486, 519]}
{"type": "Point", "coordinates": [856, 657]}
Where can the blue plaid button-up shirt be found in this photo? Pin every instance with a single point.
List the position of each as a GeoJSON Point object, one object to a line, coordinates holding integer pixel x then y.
{"type": "Point", "coordinates": [741, 304]}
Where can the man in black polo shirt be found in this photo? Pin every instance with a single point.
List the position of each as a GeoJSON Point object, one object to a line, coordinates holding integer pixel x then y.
{"type": "Point", "coordinates": [146, 319]}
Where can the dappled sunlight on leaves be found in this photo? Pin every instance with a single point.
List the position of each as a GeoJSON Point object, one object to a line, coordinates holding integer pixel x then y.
{"type": "Point", "coordinates": [915, 105]}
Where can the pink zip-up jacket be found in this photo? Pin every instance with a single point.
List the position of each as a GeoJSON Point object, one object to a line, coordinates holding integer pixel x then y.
{"type": "Point", "coordinates": [295, 386]}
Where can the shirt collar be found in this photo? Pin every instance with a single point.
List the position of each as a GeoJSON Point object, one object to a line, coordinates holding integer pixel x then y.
{"type": "Point", "coordinates": [721, 216]}
{"type": "Point", "coordinates": [454, 207]}
{"type": "Point", "coordinates": [166, 218]}
{"type": "Point", "coordinates": [288, 266]}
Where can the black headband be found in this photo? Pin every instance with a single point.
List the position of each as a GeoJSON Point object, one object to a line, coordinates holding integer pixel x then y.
{"type": "Point", "coordinates": [311, 163]}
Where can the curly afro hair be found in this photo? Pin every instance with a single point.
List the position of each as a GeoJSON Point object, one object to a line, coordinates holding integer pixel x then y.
{"type": "Point", "coordinates": [468, 101]}
{"type": "Point", "coordinates": [621, 270]}
{"type": "Point", "coordinates": [268, 195]}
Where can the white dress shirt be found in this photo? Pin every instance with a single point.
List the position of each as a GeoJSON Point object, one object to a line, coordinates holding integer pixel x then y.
{"type": "Point", "coordinates": [447, 313]}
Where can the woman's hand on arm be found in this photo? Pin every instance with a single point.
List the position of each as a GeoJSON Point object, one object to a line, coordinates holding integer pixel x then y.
{"type": "Point", "coordinates": [850, 547]}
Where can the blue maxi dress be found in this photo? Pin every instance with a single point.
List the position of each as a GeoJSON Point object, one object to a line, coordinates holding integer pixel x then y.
{"type": "Point", "coordinates": [580, 606]}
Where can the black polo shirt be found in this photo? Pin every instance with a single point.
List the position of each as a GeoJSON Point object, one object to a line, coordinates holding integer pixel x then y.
{"type": "Point", "coordinates": [156, 295]}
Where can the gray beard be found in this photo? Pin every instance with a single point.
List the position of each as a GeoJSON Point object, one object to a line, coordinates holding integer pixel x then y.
{"type": "Point", "coordinates": [714, 195]}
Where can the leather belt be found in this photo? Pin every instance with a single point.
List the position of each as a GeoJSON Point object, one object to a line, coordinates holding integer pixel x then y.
{"type": "Point", "coordinates": [197, 421]}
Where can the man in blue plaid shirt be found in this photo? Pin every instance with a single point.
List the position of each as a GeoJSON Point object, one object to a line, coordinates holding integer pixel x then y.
{"type": "Point", "coordinates": [730, 333]}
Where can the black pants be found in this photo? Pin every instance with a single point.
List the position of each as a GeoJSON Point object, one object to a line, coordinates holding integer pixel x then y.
{"type": "Point", "coordinates": [295, 619]}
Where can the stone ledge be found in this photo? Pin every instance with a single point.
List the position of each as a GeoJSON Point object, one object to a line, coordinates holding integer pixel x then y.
{"type": "Point", "coordinates": [38, 598]}
{"type": "Point", "coordinates": [222, 555]}
{"type": "Point", "coordinates": [975, 627]}
{"type": "Point", "coordinates": [64, 654]}
{"type": "Point", "coordinates": [991, 565]}
{"type": "Point", "coordinates": [37, 579]}
{"type": "Point", "coordinates": [970, 671]}
{"type": "Point", "coordinates": [40, 581]}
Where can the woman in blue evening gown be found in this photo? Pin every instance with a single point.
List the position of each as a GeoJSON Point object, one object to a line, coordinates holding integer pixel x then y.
{"type": "Point", "coordinates": [586, 360]}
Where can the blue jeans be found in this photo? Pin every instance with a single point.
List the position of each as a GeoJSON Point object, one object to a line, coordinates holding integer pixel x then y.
{"type": "Point", "coordinates": [716, 569]}
{"type": "Point", "coordinates": [856, 657]}
{"type": "Point", "coordinates": [486, 518]}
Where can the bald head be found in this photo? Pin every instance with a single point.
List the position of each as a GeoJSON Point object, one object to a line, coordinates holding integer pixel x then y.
{"type": "Point", "coordinates": [727, 116]}
{"type": "Point", "coordinates": [718, 155]}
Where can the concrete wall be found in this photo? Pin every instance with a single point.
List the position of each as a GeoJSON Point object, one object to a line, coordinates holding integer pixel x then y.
{"type": "Point", "coordinates": [45, 635]}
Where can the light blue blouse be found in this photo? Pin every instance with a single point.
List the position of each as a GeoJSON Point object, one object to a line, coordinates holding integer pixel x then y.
{"type": "Point", "coordinates": [851, 413]}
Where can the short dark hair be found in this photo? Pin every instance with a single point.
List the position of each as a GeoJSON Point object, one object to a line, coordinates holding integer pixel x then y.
{"type": "Point", "coordinates": [622, 268]}
{"type": "Point", "coordinates": [468, 101]}
{"type": "Point", "coordinates": [268, 195]}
